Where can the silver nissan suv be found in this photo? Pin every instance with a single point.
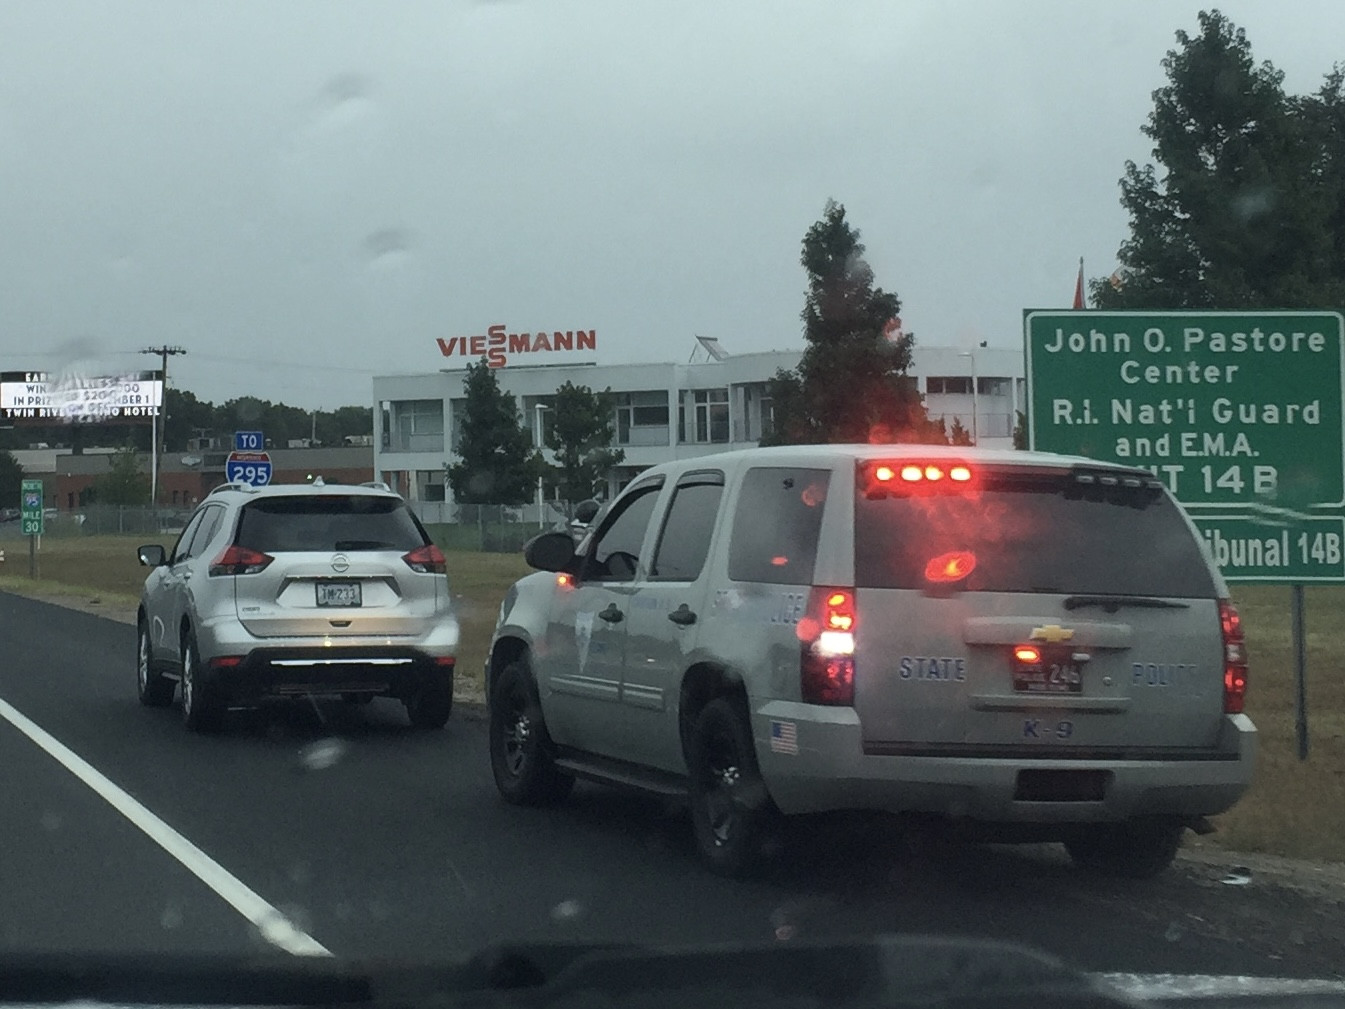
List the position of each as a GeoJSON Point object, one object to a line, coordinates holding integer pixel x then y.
{"type": "Point", "coordinates": [284, 591]}
{"type": "Point", "coordinates": [1014, 645]}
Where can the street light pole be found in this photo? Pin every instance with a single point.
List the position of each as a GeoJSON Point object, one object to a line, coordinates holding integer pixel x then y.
{"type": "Point", "coordinates": [537, 437]}
{"type": "Point", "coordinates": [975, 397]}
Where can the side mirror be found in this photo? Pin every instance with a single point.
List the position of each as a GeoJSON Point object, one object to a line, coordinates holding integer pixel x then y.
{"type": "Point", "coordinates": [585, 510]}
{"type": "Point", "coordinates": [550, 551]}
{"type": "Point", "coordinates": [151, 555]}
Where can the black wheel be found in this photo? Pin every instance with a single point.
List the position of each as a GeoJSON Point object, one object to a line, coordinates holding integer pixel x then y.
{"type": "Point", "coordinates": [155, 691]}
{"type": "Point", "coordinates": [522, 756]}
{"type": "Point", "coordinates": [735, 821]}
{"type": "Point", "coordinates": [431, 705]}
{"type": "Point", "coordinates": [202, 710]}
{"type": "Point", "coordinates": [1130, 850]}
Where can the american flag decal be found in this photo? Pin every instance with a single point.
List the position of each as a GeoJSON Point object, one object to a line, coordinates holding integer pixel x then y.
{"type": "Point", "coordinates": [784, 737]}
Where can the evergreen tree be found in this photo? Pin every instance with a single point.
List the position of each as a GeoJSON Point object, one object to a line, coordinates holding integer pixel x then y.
{"type": "Point", "coordinates": [580, 435]}
{"type": "Point", "coordinates": [851, 383]}
{"type": "Point", "coordinates": [498, 464]}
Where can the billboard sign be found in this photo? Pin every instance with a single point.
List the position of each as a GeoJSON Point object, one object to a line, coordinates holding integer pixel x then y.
{"type": "Point", "coordinates": [39, 397]}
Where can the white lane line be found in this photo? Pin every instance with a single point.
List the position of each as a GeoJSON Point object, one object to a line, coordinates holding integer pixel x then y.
{"type": "Point", "coordinates": [1161, 986]}
{"type": "Point", "coordinates": [274, 927]}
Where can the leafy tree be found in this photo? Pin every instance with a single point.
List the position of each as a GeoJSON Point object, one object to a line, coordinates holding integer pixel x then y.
{"type": "Point", "coordinates": [580, 435]}
{"type": "Point", "coordinates": [1020, 431]}
{"type": "Point", "coordinates": [11, 480]}
{"type": "Point", "coordinates": [123, 484]}
{"type": "Point", "coordinates": [1245, 212]}
{"type": "Point", "coordinates": [851, 383]}
{"type": "Point", "coordinates": [184, 415]}
{"type": "Point", "coordinates": [957, 434]}
{"type": "Point", "coordinates": [498, 464]}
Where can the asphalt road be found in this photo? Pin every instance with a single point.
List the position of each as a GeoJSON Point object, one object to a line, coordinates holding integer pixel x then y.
{"type": "Point", "coordinates": [380, 841]}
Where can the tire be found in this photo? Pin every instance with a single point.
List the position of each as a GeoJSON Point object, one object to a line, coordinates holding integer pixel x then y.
{"type": "Point", "coordinates": [1135, 850]}
{"type": "Point", "coordinates": [522, 756]}
{"type": "Point", "coordinates": [154, 690]}
{"type": "Point", "coordinates": [202, 710]}
{"type": "Point", "coordinates": [432, 704]}
{"type": "Point", "coordinates": [735, 822]}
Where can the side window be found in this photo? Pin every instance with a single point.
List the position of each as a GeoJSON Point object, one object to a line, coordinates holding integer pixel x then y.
{"type": "Point", "coordinates": [205, 532]}
{"type": "Point", "coordinates": [775, 528]}
{"type": "Point", "coordinates": [180, 547]}
{"type": "Point", "coordinates": [616, 551]}
{"type": "Point", "coordinates": [684, 542]}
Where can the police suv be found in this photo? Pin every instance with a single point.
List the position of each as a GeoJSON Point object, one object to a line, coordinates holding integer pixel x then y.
{"type": "Point", "coordinates": [1029, 646]}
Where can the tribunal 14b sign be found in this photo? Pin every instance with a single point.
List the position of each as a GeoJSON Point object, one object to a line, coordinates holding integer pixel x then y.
{"type": "Point", "coordinates": [1236, 411]}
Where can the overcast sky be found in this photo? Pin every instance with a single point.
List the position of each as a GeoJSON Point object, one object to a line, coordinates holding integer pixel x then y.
{"type": "Point", "coordinates": [305, 194]}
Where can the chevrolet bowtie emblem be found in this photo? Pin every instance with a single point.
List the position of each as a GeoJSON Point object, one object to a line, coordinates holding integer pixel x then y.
{"type": "Point", "coordinates": [1052, 633]}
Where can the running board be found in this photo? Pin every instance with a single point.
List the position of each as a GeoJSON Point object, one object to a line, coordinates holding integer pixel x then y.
{"type": "Point", "coordinates": [606, 771]}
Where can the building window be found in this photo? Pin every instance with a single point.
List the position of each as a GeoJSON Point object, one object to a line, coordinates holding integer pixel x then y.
{"type": "Point", "coordinates": [175, 496]}
{"type": "Point", "coordinates": [642, 418]}
{"type": "Point", "coordinates": [711, 421]}
{"type": "Point", "coordinates": [417, 426]}
{"type": "Point", "coordinates": [950, 384]}
{"type": "Point", "coordinates": [992, 386]}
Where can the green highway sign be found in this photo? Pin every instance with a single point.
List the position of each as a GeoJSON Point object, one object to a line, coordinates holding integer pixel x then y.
{"type": "Point", "coordinates": [1229, 408]}
{"type": "Point", "coordinates": [30, 507]}
{"type": "Point", "coordinates": [1239, 413]}
{"type": "Point", "coordinates": [1296, 549]}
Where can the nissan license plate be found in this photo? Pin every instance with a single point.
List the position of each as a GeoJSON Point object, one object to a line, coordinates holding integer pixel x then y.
{"type": "Point", "coordinates": [338, 593]}
{"type": "Point", "coordinates": [1056, 673]}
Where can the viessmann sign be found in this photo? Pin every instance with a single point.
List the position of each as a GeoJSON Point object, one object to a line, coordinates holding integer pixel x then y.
{"type": "Point", "coordinates": [1240, 413]}
{"type": "Point", "coordinates": [499, 347]}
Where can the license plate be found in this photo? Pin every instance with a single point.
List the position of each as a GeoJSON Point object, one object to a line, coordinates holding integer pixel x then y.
{"type": "Point", "coordinates": [338, 593]}
{"type": "Point", "coordinates": [1056, 673]}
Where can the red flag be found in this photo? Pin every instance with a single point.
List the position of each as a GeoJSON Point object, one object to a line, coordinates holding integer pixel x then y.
{"type": "Point", "coordinates": [1078, 287]}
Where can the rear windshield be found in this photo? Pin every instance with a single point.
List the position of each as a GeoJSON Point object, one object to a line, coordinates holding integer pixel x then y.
{"type": "Point", "coordinates": [1031, 531]}
{"type": "Point", "coordinates": [329, 522]}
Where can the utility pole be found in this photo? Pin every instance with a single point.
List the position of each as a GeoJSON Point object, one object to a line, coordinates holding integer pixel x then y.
{"type": "Point", "coordinates": [164, 352]}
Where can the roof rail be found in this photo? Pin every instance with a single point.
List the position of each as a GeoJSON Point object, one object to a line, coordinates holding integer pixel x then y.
{"type": "Point", "coordinates": [237, 485]}
{"type": "Point", "coordinates": [377, 485]}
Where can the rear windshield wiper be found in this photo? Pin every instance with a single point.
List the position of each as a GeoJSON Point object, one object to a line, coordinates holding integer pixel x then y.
{"type": "Point", "coordinates": [1113, 603]}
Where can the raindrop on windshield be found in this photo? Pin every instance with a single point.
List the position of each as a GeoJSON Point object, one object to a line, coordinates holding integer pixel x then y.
{"type": "Point", "coordinates": [322, 754]}
{"type": "Point", "coordinates": [566, 910]}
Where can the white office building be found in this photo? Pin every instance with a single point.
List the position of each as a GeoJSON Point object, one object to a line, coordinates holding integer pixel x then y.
{"type": "Point", "coordinates": [667, 411]}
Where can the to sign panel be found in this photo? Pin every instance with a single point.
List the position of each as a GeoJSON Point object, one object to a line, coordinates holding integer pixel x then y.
{"type": "Point", "coordinates": [248, 441]}
{"type": "Point", "coordinates": [1229, 408]}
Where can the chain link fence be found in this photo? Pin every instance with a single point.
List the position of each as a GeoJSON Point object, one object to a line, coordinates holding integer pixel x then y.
{"type": "Point", "coordinates": [104, 520]}
{"type": "Point", "coordinates": [488, 528]}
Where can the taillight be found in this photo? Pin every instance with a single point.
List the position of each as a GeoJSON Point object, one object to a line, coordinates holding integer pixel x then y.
{"type": "Point", "coordinates": [877, 479]}
{"type": "Point", "coordinates": [827, 647]}
{"type": "Point", "coordinates": [427, 560]}
{"type": "Point", "coordinates": [1235, 658]}
{"type": "Point", "coordinates": [226, 662]}
{"type": "Point", "coordinates": [236, 560]}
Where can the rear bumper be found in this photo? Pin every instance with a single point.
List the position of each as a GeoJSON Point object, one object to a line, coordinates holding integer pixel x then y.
{"type": "Point", "coordinates": [278, 667]}
{"type": "Point", "coordinates": [295, 672]}
{"type": "Point", "coordinates": [831, 772]}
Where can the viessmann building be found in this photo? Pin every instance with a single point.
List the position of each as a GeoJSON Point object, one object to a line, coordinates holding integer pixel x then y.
{"type": "Point", "coordinates": [662, 411]}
